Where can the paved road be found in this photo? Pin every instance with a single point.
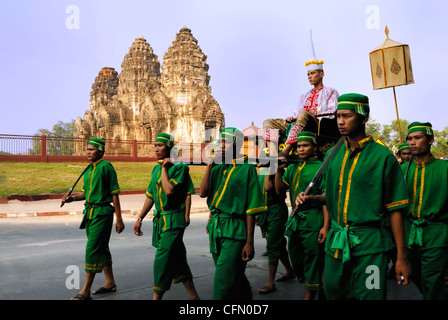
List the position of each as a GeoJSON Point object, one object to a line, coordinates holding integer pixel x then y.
{"type": "Point", "coordinates": [39, 254]}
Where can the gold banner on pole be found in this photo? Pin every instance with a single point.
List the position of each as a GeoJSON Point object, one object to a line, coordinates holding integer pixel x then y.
{"type": "Point", "coordinates": [390, 65]}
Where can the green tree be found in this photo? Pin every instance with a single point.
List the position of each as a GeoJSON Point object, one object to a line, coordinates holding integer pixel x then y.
{"type": "Point", "coordinates": [388, 133]}
{"type": "Point", "coordinates": [63, 129]}
{"type": "Point", "coordinates": [391, 135]}
{"type": "Point", "coordinates": [440, 147]}
{"type": "Point", "coordinates": [373, 129]}
{"type": "Point", "coordinates": [35, 148]}
{"type": "Point", "coordinates": [59, 140]}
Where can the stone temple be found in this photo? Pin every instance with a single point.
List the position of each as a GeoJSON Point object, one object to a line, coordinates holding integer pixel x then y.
{"type": "Point", "coordinates": [146, 99]}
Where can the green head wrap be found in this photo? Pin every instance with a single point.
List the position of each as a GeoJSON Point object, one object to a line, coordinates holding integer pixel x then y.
{"type": "Point", "coordinates": [235, 134]}
{"type": "Point", "coordinates": [426, 127]}
{"type": "Point", "coordinates": [402, 147]}
{"type": "Point", "coordinates": [354, 101]}
{"type": "Point", "coordinates": [166, 139]}
{"type": "Point", "coordinates": [306, 136]}
{"type": "Point", "coordinates": [99, 143]}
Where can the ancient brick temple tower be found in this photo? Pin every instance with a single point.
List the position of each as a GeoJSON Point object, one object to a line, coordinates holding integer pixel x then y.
{"type": "Point", "coordinates": [142, 101]}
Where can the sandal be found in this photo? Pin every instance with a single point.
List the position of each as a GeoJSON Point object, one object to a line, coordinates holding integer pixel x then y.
{"type": "Point", "coordinates": [106, 290]}
{"type": "Point", "coordinates": [81, 297]}
{"type": "Point", "coordinates": [266, 290]}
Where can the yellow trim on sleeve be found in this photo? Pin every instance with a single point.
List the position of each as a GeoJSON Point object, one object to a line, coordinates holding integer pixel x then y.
{"type": "Point", "coordinates": [116, 191]}
{"type": "Point", "coordinates": [256, 209]}
{"type": "Point", "coordinates": [397, 203]}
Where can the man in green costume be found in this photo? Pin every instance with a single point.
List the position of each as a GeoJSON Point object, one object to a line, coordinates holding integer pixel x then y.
{"type": "Point", "coordinates": [427, 219]}
{"type": "Point", "coordinates": [100, 188]}
{"type": "Point", "coordinates": [272, 224]}
{"type": "Point", "coordinates": [364, 186]}
{"type": "Point", "coordinates": [168, 190]}
{"type": "Point", "coordinates": [234, 197]}
{"type": "Point", "coordinates": [403, 153]}
{"type": "Point", "coordinates": [308, 229]}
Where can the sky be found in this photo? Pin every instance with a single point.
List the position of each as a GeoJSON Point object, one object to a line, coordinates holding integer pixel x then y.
{"type": "Point", "coordinates": [52, 50]}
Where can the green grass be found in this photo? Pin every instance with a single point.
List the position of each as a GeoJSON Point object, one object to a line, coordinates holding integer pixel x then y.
{"type": "Point", "coordinates": [33, 178]}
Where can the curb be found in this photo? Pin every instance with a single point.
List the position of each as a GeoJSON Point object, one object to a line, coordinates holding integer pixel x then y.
{"type": "Point", "coordinates": [72, 213]}
{"type": "Point", "coordinates": [51, 196]}
{"type": "Point", "coordinates": [28, 198]}
{"type": "Point", "coordinates": [38, 214]}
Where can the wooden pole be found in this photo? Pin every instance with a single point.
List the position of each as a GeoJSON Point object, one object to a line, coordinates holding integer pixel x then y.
{"type": "Point", "coordinates": [398, 118]}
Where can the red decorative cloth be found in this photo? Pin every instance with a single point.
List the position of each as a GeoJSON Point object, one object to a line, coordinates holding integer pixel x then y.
{"type": "Point", "coordinates": [312, 101]}
{"type": "Point", "coordinates": [271, 134]}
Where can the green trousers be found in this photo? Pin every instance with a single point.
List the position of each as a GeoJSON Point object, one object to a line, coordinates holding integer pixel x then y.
{"type": "Point", "coordinates": [230, 282]}
{"type": "Point", "coordinates": [98, 232]}
{"type": "Point", "coordinates": [428, 271]}
{"type": "Point", "coordinates": [275, 233]}
{"type": "Point", "coordinates": [306, 255]}
{"type": "Point", "coordinates": [360, 278]}
{"type": "Point", "coordinates": [170, 262]}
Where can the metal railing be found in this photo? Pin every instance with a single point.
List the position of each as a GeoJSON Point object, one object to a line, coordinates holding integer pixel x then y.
{"type": "Point", "coordinates": [54, 149]}
{"type": "Point", "coordinates": [59, 149]}
{"type": "Point", "coordinates": [20, 144]}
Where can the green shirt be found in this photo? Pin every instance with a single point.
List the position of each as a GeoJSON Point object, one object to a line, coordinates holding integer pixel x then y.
{"type": "Point", "coordinates": [234, 192]}
{"type": "Point", "coordinates": [362, 187]}
{"type": "Point", "coordinates": [234, 189]}
{"type": "Point", "coordinates": [100, 183]}
{"type": "Point", "coordinates": [427, 184]}
{"type": "Point", "coordinates": [169, 211]}
{"type": "Point", "coordinates": [270, 196]}
{"type": "Point", "coordinates": [273, 200]}
{"type": "Point", "coordinates": [297, 177]}
{"type": "Point", "coordinates": [179, 175]}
